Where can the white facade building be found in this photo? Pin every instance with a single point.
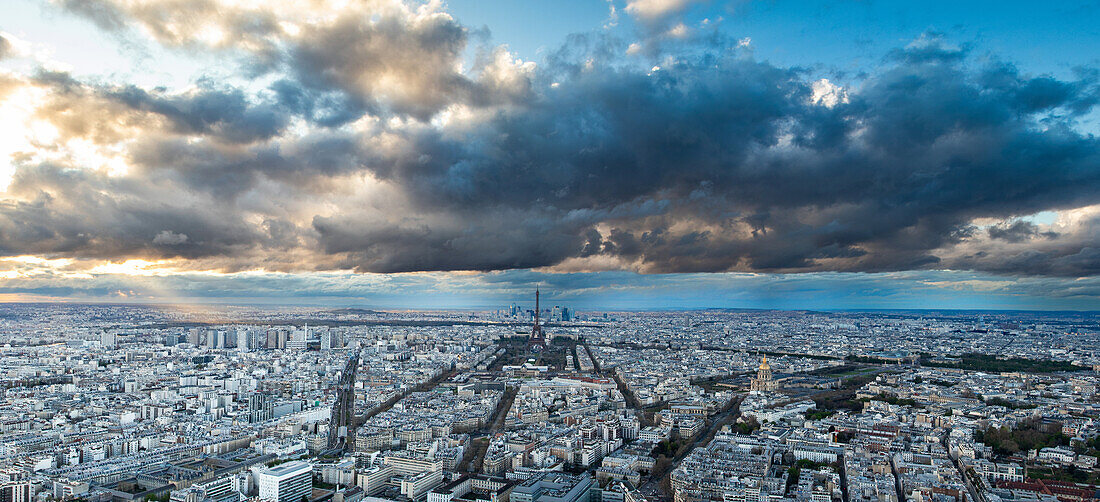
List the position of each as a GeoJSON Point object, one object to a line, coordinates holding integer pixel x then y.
{"type": "Point", "coordinates": [287, 482]}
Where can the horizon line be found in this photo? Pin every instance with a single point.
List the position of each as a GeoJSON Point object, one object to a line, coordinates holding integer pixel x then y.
{"type": "Point", "coordinates": [393, 309]}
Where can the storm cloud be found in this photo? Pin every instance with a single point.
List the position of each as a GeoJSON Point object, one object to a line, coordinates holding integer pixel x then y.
{"type": "Point", "coordinates": [373, 147]}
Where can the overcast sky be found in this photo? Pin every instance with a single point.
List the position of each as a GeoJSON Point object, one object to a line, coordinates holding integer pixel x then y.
{"type": "Point", "coordinates": [624, 154]}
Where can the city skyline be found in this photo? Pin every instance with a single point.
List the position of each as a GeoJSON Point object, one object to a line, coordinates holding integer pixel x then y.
{"type": "Point", "coordinates": [637, 154]}
{"type": "Point", "coordinates": [116, 403]}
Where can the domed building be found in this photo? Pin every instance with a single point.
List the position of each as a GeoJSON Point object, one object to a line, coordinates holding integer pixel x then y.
{"type": "Point", "coordinates": [763, 381]}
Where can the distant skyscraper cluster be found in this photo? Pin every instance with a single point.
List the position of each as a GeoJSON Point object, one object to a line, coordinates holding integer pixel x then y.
{"type": "Point", "coordinates": [557, 313]}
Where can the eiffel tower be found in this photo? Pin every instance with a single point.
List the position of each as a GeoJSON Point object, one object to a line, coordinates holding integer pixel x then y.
{"type": "Point", "coordinates": [537, 341]}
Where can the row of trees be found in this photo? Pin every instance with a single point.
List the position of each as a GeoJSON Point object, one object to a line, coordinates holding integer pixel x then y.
{"type": "Point", "coordinates": [993, 364]}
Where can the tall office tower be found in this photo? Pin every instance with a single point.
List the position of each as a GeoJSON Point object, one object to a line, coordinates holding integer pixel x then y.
{"type": "Point", "coordinates": [289, 482]}
{"type": "Point", "coordinates": [108, 339]}
{"type": "Point", "coordinates": [194, 336]}
{"type": "Point", "coordinates": [243, 340]}
{"type": "Point", "coordinates": [341, 426]}
{"type": "Point", "coordinates": [326, 340]}
{"type": "Point", "coordinates": [260, 407]}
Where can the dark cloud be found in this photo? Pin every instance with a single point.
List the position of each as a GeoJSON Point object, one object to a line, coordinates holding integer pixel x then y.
{"type": "Point", "coordinates": [325, 108]}
{"type": "Point", "coordinates": [608, 137]}
{"type": "Point", "coordinates": [76, 213]}
{"type": "Point", "coordinates": [225, 114]}
{"type": "Point", "coordinates": [105, 113]}
{"type": "Point", "coordinates": [393, 61]}
{"type": "Point", "coordinates": [1018, 231]}
{"type": "Point", "coordinates": [507, 239]}
{"type": "Point", "coordinates": [1081, 260]}
{"type": "Point", "coordinates": [712, 161]}
{"type": "Point", "coordinates": [5, 47]}
{"type": "Point", "coordinates": [228, 171]}
{"type": "Point", "coordinates": [754, 176]}
{"type": "Point", "coordinates": [1021, 247]}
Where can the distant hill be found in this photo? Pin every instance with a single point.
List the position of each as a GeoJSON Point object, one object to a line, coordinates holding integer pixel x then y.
{"type": "Point", "coordinates": [355, 311]}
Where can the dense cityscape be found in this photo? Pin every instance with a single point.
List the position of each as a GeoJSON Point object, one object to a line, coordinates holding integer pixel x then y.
{"type": "Point", "coordinates": [117, 403]}
{"type": "Point", "coordinates": [549, 251]}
